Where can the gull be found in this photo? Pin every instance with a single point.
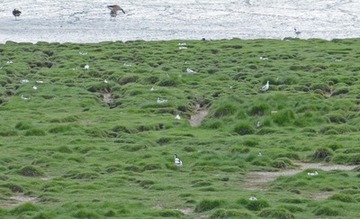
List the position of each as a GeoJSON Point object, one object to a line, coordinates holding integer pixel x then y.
{"type": "Point", "coordinates": [177, 116]}
{"type": "Point", "coordinates": [252, 198]}
{"type": "Point", "coordinates": [83, 53]}
{"type": "Point", "coordinates": [152, 89]}
{"type": "Point", "coordinates": [265, 87]}
{"type": "Point", "coordinates": [161, 100]}
{"type": "Point", "coordinates": [258, 124]}
{"type": "Point", "coordinates": [34, 87]}
{"type": "Point", "coordinates": [190, 71]}
{"type": "Point", "coordinates": [114, 9]}
{"type": "Point", "coordinates": [177, 160]}
{"type": "Point", "coordinates": [39, 81]}
{"type": "Point", "coordinates": [16, 13]}
{"type": "Point", "coordinates": [297, 32]}
{"type": "Point", "coordinates": [24, 81]}
{"type": "Point", "coordinates": [263, 58]}
{"type": "Point", "coordinates": [23, 97]}
{"type": "Point", "coordinates": [9, 62]}
{"type": "Point", "coordinates": [259, 154]}
{"type": "Point", "coordinates": [106, 81]}
{"type": "Point", "coordinates": [86, 67]}
{"type": "Point", "coordinates": [312, 173]}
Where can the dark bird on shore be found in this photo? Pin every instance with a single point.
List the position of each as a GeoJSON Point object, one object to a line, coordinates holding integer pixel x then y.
{"type": "Point", "coordinates": [16, 13]}
{"type": "Point", "coordinates": [114, 9]}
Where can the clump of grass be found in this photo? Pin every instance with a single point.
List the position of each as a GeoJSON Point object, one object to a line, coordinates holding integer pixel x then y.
{"type": "Point", "coordinates": [244, 129]}
{"type": "Point", "coordinates": [168, 213]}
{"type": "Point", "coordinates": [284, 117]}
{"type": "Point", "coordinates": [229, 213]}
{"type": "Point", "coordinates": [31, 171]}
{"type": "Point", "coordinates": [326, 211]}
{"type": "Point", "coordinates": [253, 205]}
{"type": "Point", "coordinates": [35, 132]}
{"type": "Point", "coordinates": [26, 207]}
{"type": "Point", "coordinates": [23, 125]}
{"type": "Point", "coordinates": [278, 213]}
{"type": "Point", "coordinates": [206, 205]}
{"type": "Point", "coordinates": [342, 198]}
{"type": "Point", "coordinates": [225, 109]}
{"type": "Point", "coordinates": [321, 154]}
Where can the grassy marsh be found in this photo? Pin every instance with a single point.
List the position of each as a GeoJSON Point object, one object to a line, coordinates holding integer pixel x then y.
{"type": "Point", "coordinates": [95, 143]}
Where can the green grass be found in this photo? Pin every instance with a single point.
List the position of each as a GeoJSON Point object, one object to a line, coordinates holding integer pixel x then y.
{"type": "Point", "coordinates": [80, 156]}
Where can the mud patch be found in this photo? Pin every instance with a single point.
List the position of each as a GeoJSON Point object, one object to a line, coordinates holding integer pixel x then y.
{"type": "Point", "coordinates": [18, 199]}
{"type": "Point", "coordinates": [258, 180]}
{"type": "Point", "coordinates": [108, 98]}
{"type": "Point", "coordinates": [200, 114]}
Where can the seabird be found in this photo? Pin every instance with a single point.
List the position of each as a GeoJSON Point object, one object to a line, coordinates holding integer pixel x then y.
{"type": "Point", "coordinates": [313, 173]}
{"type": "Point", "coordinates": [252, 198]}
{"type": "Point", "coordinates": [114, 9]}
{"type": "Point", "coordinates": [297, 32]}
{"type": "Point", "coordinates": [177, 116]}
{"type": "Point", "coordinates": [265, 87]}
{"type": "Point", "coordinates": [161, 100]}
{"type": "Point", "coordinates": [86, 67]}
{"type": "Point", "coordinates": [178, 162]}
{"type": "Point", "coordinates": [16, 13]}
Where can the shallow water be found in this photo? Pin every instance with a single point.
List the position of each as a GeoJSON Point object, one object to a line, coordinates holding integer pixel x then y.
{"type": "Point", "coordinates": [81, 21]}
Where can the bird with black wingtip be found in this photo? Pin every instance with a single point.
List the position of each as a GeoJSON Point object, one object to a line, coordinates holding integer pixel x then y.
{"type": "Point", "coordinates": [16, 13]}
{"type": "Point", "coordinates": [114, 9]}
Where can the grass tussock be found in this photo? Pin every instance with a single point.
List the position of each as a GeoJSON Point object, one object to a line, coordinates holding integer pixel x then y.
{"type": "Point", "coordinates": [97, 142]}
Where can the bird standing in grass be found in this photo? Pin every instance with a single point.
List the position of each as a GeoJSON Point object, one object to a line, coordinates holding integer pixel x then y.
{"type": "Point", "coordinates": [178, 162]}
{"type": "Point", "coordinates": [265, 87]}
{"type": "Point", "coordinates": [16, 13]}
{"type": "Point", "coordinates": [114, 9]}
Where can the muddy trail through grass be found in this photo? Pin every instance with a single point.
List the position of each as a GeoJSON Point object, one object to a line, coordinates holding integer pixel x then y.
{"type": "Point", "coordinates": [259, 180]}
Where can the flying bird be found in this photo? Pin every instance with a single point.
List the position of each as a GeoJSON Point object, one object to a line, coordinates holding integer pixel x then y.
{"type": "Point", "coordinates": [114, 9]}
{"type": "Point", "coordinates": [16, 13]}
{"type": "Point", "coordinates": [178, 162]}
{"type": "Point", "coordinates": [265, 87]}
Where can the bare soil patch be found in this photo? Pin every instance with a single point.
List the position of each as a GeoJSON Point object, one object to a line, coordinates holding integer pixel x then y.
{"type": "Point", "coordinates": [258, 180]}
{"type": "Point", "coordinates": [201, 112]}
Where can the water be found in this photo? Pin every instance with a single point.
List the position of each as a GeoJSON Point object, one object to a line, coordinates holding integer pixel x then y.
{"type": "Point", "coordinates": [83, 22]}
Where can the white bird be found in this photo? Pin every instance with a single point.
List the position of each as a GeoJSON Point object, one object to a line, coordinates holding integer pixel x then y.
{"type": "Point", "coordinates": [259, 154]}
{"type": "Point", "coordinates": [106, 81]}
{"type": "Point", "coordinates": [86, 67]}
{"type": "Point", "coordinates": [265, 87]}
{"type": "Point", "coordinates": [258, 124]}
{"type": "Point", "coordinates": [190, 71]}
{"type": "Point", "coordinates": [34, 87]}
{"type": "Point", "coordinates": [23, 97]}
{"type": "Point", "coordinates": [161, 100]}
{"type": "Point", "coordinates": [9, 62]}
{"type": "Point", "coordinates": [252, 198]}
{"type": "Point", "coordinates": [152, 89]}
{"type": "Point", "coordinates": [177, 160]}
{"type": "Point", "coordinates": [297, 32]}
{"type": "Point", "coordinates": [312, 173]}
{"type": "Point", "coordinates": [39, 82]}
{"type": "Point", "coordinates": [177, 116]}
{"type": "Point", "coordinates": [24, 81]}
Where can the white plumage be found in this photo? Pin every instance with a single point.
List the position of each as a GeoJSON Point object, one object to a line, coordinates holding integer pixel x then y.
{"type": "Point", "coordinates": [265, 87]}
{"type": "Point", "coordinates": [86, 67]}
{"type": "Point", "coordinates": [313, 173]}
{"type": "Point", "coordinates": [161, 100]}
{"type": "Point", "coordinates": [177, 160]}
{"type": "Point", "coordinates": [177, 116]}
